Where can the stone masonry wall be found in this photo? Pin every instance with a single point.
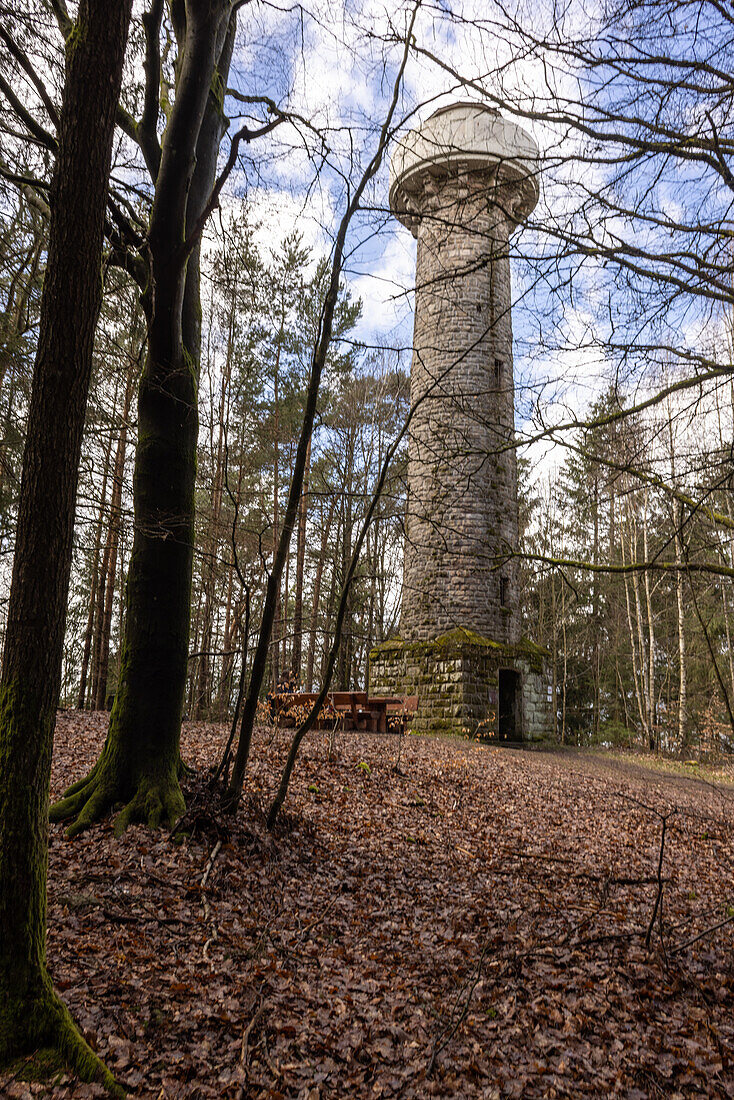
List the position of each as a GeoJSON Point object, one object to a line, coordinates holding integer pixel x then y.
{"type": "Point", "coordinates": [456, 679]}
{"type": "Point", "coordinates": [462, 516]}
{"type": "Point", "coordinates": [537, 703]}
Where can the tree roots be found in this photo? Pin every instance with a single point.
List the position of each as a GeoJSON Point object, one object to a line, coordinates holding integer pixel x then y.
{"type": "Point", "coordinates": [152, 800]}
{"type": "Point", "coordinates": [40, 1027]}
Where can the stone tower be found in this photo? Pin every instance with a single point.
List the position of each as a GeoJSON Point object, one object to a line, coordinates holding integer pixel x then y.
{"type": "Point", "coordinates": [462, 182]}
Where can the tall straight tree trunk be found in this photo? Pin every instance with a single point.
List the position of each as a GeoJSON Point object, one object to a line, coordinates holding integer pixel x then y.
{"type": "Point", "coordinates": [642, 648]}
{"type": "Point", "coordinates": [344, 665]}
{"type": "Point", "coordinates": [31, 1015]}
{"type": "Point", "coordinates": [330, 611]}
{"type": "Point", "coordinates": [651, 698]}
{"type": "Point", "coordinates": [372, 566]}
{"type": "Point", "coordinates": [723, 589]}
{"type": "Point", "coordinates": [275, 643]}
{"type": "Point", "coordinates": [637, 674]}
{"type": "Point", "coordinates": [232, 627]}
{"type": "Point", "coordinates": [614, 629]}
{"type": "Point", "coordinates": [300, 563]}
{"type": "Point", "coordinates": [96, 573]}
{"type": "Point", "coordinates": [203, 704]}
{"type": "Point", "coordinates": [201, 700]}
{"type": "Point", "coordinates": [140, 762]}
{"type": "Point", "coordinates": [195, 648]}
{"type": "Point", "coordinates": [554, 651]}
{"type": "Point", "coordinates": [682, 680]}
{"type": "Point", "coordinates": [101, 579]}
{"type": "Point", "coordinates": [225, 676]}
{"type": "Point", "coordinates": [230, 645]}
{"type": "Point", "coordinates": [678, 543]}
{"type": "Point", "coordinates": [201, 697]}
{"type": "Point", "coordinates": [325, 532]}
{"type": "Point", "coordinates": [565, 663]}
{"type": "Point", "coordinates": [286, 595]}
{"type": "Point", "coordinates": [114, 541]}
{"type": "Point", "coordinates": [596, 625]}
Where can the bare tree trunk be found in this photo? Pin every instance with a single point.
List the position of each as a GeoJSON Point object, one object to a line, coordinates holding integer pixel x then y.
{"type": "Point", "coordinates": [371, 558]}
{"type": "Point", "coordinates": [565, 663]}
{"type": "Point", "coordinates": [330, 609]}
{"type": "Point", "coordinates": [230, 631]}
{"type": "Point", "coordinates": [300, 563]}
{"type": "Point", "coordinates": [595, 648]}
{"type": "Point", "coordinates": [114, 539]}
{"type": "Point", "coordinates": [232, 626]}
{"type": "Point", "coordinates": [651, 698]}
{"type": "Point", "coordinates": [723, 589]}
{"type": "Point", "coordinates": [101, 587]}
{"type": "Point", "coordinates": [284, 663]}
{"type": "Point", "coordinates": [636, 672]}
{"type": "Point", "coordinates": [325, 532]}
{"type": "Point", "coordinates": [203, 702]}
{"type": "Point", "coordinates": [682, 717]}
{"type": "Point", "coordinates": [96, 570]}
{"type": "Point", "coordinates": [554, 651]}
{"type": "Point", "coordinates": [31, 1014]}
{"type": "Point", "coordinates": [275, 643]}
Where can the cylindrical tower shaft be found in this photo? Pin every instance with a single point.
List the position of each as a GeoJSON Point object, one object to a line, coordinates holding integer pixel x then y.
{"type": "Point", "coordinates": [461, 184]}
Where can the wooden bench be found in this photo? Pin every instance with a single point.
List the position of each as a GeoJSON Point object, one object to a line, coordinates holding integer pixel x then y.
{"type": "Point", "coordinates": [342, 707]}
{"type": "Point", "coordinates": [350, 710]}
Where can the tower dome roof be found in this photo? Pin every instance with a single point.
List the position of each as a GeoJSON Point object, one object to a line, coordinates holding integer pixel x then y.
{"type": "Point", "coordinates": [464, 137]}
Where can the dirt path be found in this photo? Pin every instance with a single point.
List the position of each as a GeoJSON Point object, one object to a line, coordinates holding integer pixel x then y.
{"type": "Point", "coordinates": [712, 787]}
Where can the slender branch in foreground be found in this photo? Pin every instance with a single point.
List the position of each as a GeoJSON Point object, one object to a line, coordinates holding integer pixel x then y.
{"type": "Point", "coordinates": [25, 63]}
{"type": "Point", "coordinates": [318, 362]}
{"type": "Point", "coordinates": [708, 567]}
{"type": "Point", "coordinates": [243, 134]}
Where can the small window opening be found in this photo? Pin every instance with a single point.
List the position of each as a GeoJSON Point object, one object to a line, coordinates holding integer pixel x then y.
{"type": "Point", "coordinates": [503, 591]}
{"type": "Point", "coordinates": [498, 366]}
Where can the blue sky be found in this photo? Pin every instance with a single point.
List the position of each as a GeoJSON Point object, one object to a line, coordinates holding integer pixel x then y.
{"type": "Point", "coordinates": [334, 66]}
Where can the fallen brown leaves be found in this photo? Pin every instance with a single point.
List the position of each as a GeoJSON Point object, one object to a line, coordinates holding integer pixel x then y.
{"type": "Point", "coordinates": [472, 927]}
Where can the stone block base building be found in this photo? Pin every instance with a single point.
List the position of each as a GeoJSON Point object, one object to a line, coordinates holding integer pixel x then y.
{"type": "Point", "coordinates": [468, 684]}
{"type": "Point", "coordinates": [462, 182]}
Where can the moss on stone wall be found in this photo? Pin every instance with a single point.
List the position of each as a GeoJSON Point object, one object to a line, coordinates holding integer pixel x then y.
{"type": "Point", "coordinates": [456, 679]}
{"type": "Point", "coordinates": [461, 641]}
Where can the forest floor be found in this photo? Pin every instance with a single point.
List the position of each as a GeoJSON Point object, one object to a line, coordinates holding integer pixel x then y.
{"type": "Point", "coordinates": [472, 925]}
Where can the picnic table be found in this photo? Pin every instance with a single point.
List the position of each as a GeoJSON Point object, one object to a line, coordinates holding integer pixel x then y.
{"type": "Point", "coordinates": [348, 710]}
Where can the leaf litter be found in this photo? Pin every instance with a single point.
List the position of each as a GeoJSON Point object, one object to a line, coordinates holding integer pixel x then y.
{"type": "Point", "coordinates": [474, 924]}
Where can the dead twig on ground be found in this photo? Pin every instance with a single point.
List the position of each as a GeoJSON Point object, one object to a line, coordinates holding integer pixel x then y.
{"type": "Point", "coordinates": [702, 935]}
{"type": "Point", "coordinates": [657, 910]}
{"type": "Point", "coordinates": [205, 903]}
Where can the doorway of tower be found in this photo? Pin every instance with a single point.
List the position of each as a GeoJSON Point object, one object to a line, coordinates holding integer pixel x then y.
{"type": "Point", "coordinates": [509, 700]}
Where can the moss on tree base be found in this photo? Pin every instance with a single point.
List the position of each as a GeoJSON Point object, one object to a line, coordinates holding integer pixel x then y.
{"type": "Point", "coordinates": [151, 798]}
{"type": "Point", "coordinates": [38, 1038]}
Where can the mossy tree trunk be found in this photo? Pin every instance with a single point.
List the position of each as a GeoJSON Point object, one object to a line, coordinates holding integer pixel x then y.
{"type": "Point", "coordinates": [140, 762]}
{"type": "Point", "coordinates": [31, 1015]}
